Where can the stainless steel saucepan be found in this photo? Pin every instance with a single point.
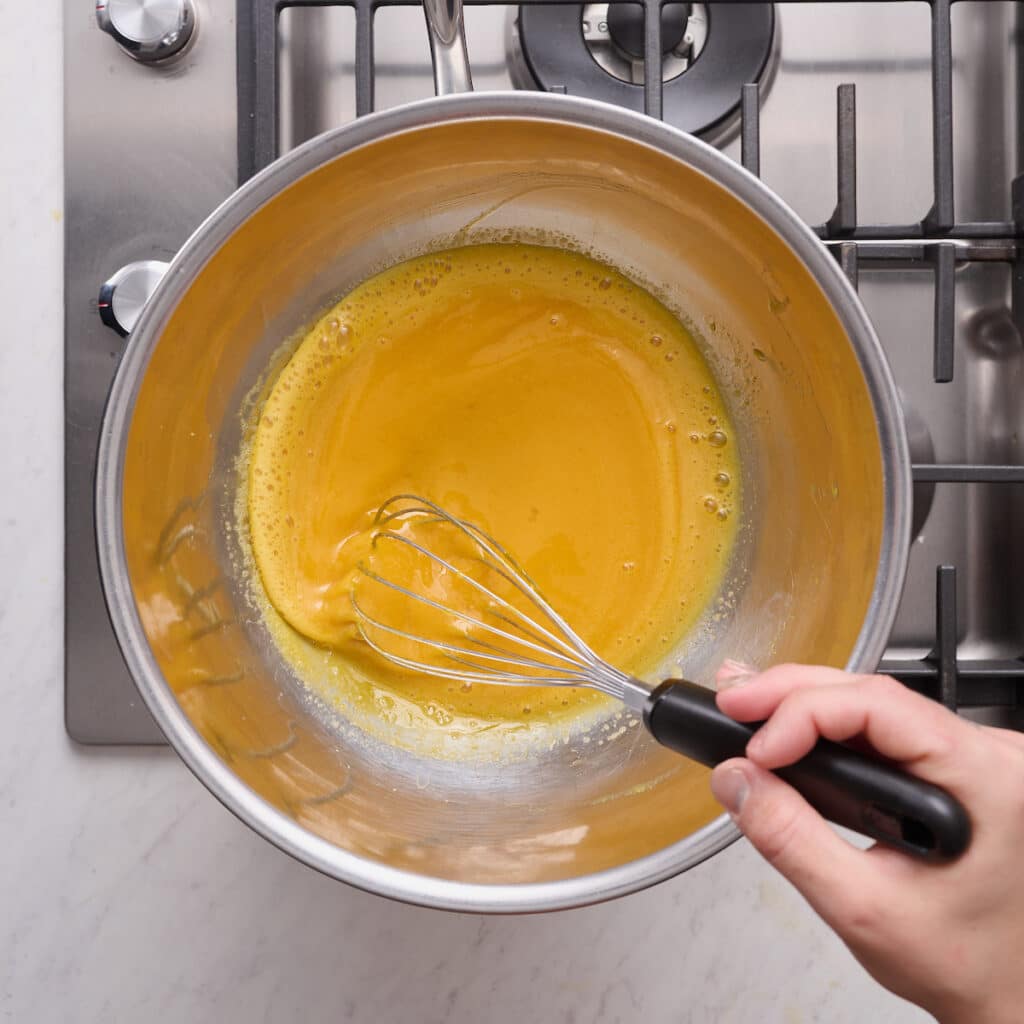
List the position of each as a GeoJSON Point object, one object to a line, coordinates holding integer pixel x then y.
{"type": "Point", "coordinates": [816, 575]}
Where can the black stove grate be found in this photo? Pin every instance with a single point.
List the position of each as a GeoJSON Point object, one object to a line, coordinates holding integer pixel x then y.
{"type": "Point", "coordinates": [937, 243]}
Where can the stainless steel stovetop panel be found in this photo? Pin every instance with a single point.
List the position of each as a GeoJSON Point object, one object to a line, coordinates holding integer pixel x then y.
{"type": "Point", "coordinates": [149, 152]}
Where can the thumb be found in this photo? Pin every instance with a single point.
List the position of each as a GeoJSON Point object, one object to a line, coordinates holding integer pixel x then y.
{"type": "Point", "coordinates": [793, 837]}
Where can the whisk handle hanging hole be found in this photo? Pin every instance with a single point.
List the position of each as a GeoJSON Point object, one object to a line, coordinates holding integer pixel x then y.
{"type": "Point", "coordinates": [857, 791]}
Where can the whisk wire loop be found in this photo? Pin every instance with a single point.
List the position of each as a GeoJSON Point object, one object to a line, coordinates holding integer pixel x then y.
{"type": "Point", "coordinates": [536, 648]}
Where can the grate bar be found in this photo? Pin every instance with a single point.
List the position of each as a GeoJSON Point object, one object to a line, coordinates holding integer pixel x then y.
{"type": "Point", "coordinates": [652, 59]}
{"type": "Point", "coordinates": [850, 263]}
{"type": "Point", "coordinates": [944, 653]}
{"type": "Point", "coordinates": [256, 53]}
{"type": "Point", "coordinates": [944, 257]}
{"type": "Point", "coordinates": [844, 219]}
{"type": "Point", "coordinates": [750, 127]}
{"type": "Point", "coordinates": [980, 684]}
{"type": "Point", "coordinates": [965, 473]}
{"type": "Point", "coordinates": [364, 59]}
{"type": "Point", "coordinates": [908, 253]}
{"type": "Point", "coordinates": [1017, 198]}
{"type": "Point", "coordinates": [982, 230]}
{"type": "Point", "coordinates": [940, 217]}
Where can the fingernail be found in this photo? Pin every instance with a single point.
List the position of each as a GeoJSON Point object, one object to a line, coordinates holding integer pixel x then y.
{"type": "Point", "coordinates": [734, 673]}
{"type": "Point", "coordinates": [730, 787]}
{"type": "Point", "coordinates": [755, 743]}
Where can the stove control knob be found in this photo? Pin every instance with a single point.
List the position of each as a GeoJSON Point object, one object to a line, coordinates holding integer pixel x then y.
{"type": "Point", "coordinates": [148, 30]}
{"type": "Point", "coordinates": [123, 296]}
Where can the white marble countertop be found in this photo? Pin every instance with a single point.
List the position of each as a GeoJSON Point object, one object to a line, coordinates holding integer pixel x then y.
{"type": "Point", "coordinates": [127, 893]}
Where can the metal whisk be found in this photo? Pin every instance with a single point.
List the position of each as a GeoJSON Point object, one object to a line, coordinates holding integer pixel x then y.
{"type": "Point", "coordinates": [437, 595]}
{"type": "Point", "coordinates": [540, 647]}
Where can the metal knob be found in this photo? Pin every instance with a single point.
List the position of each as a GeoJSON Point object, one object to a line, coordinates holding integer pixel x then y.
{"type": "Point", "coordinates": [148, 30]}
{"type": "Point", "coordinates": [123, 296]}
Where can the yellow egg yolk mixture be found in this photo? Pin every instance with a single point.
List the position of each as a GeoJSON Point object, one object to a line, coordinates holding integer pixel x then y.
{"type": "Point", "coordinates": [541, 395]}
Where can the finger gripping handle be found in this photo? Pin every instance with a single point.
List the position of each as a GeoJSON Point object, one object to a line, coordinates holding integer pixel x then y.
{"type": "Point", "coordinates": [851, 789]}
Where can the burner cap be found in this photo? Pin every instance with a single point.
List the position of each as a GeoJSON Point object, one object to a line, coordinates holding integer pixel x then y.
{"type": "Point", "coordinates": [549, 42]}
{"type": "Point", "coordinates": [626, 27]}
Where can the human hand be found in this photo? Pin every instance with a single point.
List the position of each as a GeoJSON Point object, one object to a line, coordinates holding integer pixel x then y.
{"type": "Point", "coordinates": [947, 937]}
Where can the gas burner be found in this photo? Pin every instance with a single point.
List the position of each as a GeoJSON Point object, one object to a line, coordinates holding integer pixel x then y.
{"type": "Point", "coordinates": [596, 50]}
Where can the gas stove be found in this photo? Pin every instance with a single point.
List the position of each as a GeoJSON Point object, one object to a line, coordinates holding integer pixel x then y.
{"type": "Point", "coordinates": [895, 129]}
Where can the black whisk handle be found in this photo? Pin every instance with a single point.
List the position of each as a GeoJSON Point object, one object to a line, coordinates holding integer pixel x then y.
{"type": "Point", "coordinates": [860, 792]}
